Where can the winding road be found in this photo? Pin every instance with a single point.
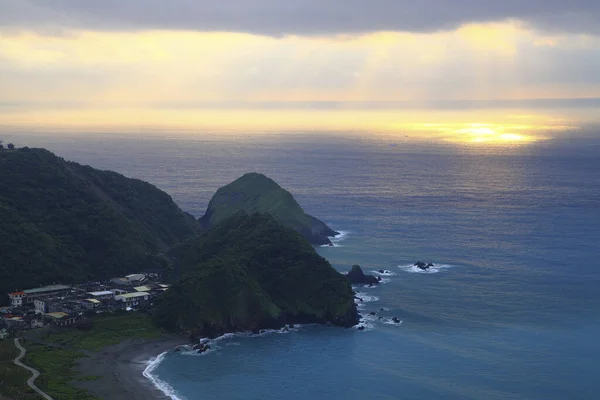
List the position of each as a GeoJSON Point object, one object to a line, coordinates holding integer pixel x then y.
{"type": "Point", "coordinates": [34, 371]}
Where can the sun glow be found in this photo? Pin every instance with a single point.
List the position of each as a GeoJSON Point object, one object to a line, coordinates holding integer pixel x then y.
{"type": "Point", "coordinates": [400, 125]}
{"type": "Point", "coordinates": [497, 134]}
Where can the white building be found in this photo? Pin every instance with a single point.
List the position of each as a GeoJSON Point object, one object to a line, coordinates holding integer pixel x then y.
{"type": "Point", "coordinates": [136, 278]}
{"type": "Point", "coordinates": [40, 305]}
{"type": "Point", "coordinates": [133, 299]}
{"type": "Point", "coordinates": [16, 298]}
{"type": "Point", "coordinates": [103, 295]}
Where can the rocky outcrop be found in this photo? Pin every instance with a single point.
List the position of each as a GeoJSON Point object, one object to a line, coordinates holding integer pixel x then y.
{"type": "Point", "coordinates": [356, 276]}
{"type": "Point", "coordinates": [254, 193]}
{"type": "Point", "coordinates": [423, 266]}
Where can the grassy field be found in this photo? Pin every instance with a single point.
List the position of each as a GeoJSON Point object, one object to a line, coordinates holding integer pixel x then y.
{"type": "Point", "coordinates": [12, 378]}
{"type": "Point", "coordinates": [55, 353]}
{"type": "Point", "coordinates": [55, 365]}
{"type": "Point", "coordinates": [106, 331]}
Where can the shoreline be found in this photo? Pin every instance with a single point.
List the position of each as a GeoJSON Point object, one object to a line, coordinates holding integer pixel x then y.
{"type": "Point", "coordinates": [120, 369]}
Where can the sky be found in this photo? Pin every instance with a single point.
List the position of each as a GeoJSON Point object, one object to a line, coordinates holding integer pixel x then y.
{"type": "Point", "coordinates": [133, 62]}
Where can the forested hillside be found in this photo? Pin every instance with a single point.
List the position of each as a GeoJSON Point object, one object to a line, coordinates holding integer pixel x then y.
{"type": "Point", "coordinates": [64, 222]}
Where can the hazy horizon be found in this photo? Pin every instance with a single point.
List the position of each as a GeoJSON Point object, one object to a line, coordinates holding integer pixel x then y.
{"type": "Point", "coordinates": [396, 67]}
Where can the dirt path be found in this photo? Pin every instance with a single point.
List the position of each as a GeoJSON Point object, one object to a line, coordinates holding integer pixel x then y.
{"type": "Point", "coordinates": [35, 372]}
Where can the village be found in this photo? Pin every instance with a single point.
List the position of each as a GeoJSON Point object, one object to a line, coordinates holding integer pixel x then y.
{"type": "Point", "coordinates": [73, 305]}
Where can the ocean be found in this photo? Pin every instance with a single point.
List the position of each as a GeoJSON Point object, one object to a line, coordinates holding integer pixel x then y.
{"type": "Point", "coordinates": [511, 310]}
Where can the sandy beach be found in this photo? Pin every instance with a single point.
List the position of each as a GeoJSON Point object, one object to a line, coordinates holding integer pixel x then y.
{"type": "Point", "coordinates": [120, 368]}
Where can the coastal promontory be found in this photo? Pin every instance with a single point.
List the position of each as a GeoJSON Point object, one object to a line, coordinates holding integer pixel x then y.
{"type": "Point", "coordinates": [255, 192]}
{"type": "Point", "coordinates": [248, 273]}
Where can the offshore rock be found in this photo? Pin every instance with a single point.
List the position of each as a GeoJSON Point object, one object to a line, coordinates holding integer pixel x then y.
{"type": "Point", "coordinates": [357, 276]}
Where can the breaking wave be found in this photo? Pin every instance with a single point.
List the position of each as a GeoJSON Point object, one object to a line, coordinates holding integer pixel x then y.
{"type": "Point", "coordinates": [343, 235]}
{"type": "Point", "coordinates": [432, 270]}
{"type": "Point", "coordinates": [157, 382]}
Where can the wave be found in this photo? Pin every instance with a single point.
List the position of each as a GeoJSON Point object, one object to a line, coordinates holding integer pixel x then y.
{"type": "Point", "coordinates": [157, 382]}
{"type": "Point", "coordinates": [341, 236]}
{"type": "Point", "coordinates": [369, 321]}
{"type": "Point", "coordinates": [432, 270]}
{"type": "Point", "coordinates": [363, 298]}
{"type": "Point", "coordinates": [218, 342]}
{"type": "Point", "coordinates": [388, 321]}
{"type": "Point", "coordinates": [366, 323]}
{"type": "Point", "coordinates": [384, 273]}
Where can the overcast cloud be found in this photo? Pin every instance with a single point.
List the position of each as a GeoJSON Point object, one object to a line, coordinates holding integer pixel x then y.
{"type": "Point", "coordinates": [295, 17]}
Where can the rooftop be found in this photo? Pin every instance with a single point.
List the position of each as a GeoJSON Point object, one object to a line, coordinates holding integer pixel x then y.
{"type": "Point", "coordinates": [132, 295]}
{"type": "Point", "coordinates": [142, 288]}
{"type": "Point", "coordinates": [50, 288]}
{"type": "Point", "coordinates": [57, 315]}
{"type": "Point", "coordinates": [93, 301]}
{"type": "Point", "coordinates": [102, 293]}
{"type": "Point", "coordinates": [135, 277]}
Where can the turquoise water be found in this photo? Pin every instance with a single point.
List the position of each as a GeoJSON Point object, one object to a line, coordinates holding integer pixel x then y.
{"type": "Point", "coordinates": [513, 314]}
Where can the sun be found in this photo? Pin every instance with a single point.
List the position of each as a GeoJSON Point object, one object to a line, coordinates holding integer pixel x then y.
{"type": "Point", "coordinates": [492, 134]}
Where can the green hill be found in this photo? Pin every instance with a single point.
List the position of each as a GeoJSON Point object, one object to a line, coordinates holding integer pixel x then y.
{"type": "Point", "coordinates": [64, 222]}
{"type": "Point", "coordinates": [248, 273]}
{"type": "Point", "coordinates": [255, 192]}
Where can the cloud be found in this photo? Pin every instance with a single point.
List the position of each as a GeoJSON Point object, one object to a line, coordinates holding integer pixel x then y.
{"type": "Point", "coordinates": [298, 17]}
{"type": "Point", "coordinates": [490, 62]}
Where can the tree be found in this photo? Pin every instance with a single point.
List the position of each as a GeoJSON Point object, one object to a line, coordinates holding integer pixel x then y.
{"type": "Point", "coordinates": [1, 145]}
{"type": "Point", "coordinates": [11, 146]}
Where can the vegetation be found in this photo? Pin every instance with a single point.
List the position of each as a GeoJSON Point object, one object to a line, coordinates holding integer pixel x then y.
{"type": "Point", "coordinates": [64, 222]}
{"type": "Point", "coordinates": [55, 353]}
{"type": "Point", "coordinates": [106, 331]}
{"type": "Point", "coordinates": [248, 273]}
{"type": "Point", "coordinates": [13, 378]}
{"type": "Point", "coordinates": [56, 368]}
{"type": "Point", "coordinates": [254, 193]}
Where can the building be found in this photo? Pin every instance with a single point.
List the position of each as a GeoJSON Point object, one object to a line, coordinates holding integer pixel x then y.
{"type": "Point", "coordinates": [130, 280]}
{"type": "Point", "coordinates": [91, 304]}
{"type": "Point", "coordinates": [136, 278]}
{"type": "Point", "coordinates": [142, 289]}
{"type": "Point", "coordinates": [103, 295]}
{"type": "Point", "coordinates": [120, 281]}
{"type": "Point", "coordinates": [61, 318]}
{"type": "Point", "coordinates": [16, 298]}
{"type": "Point", "coordinates": [133, 299]}
{"type": "Point", "coordinates": [47, 304]}
{"type": "Point", "coordinates": [45, 291]}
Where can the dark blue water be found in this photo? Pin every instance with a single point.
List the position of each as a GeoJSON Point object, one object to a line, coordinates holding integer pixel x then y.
{"type": "Point", "coordinates": [513, 314]}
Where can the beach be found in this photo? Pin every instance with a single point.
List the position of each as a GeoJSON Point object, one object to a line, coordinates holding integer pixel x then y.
{"type": "Point", "coordinates": [120, 369]}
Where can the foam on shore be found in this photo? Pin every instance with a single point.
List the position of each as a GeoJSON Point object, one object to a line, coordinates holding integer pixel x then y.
{"type": "Point", "coordinates": [161, 385]}
{"type": "Point", "coordinates": [335, 240]}
{"type": "Point", "coordinates": [218, 342]}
